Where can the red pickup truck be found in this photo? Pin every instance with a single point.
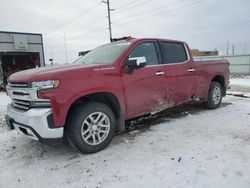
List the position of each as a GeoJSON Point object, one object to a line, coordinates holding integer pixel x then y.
{"type": "Point", "coordinates": [88, 101]}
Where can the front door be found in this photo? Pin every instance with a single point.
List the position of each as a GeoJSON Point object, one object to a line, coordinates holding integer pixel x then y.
{"type": "Point", "coordinates": [143, 89]}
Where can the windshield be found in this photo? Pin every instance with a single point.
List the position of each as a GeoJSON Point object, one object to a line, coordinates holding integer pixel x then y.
{"type": "Point", "coordinates": [104, 54]}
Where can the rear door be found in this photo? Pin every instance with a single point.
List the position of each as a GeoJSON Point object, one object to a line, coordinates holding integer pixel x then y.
{"type": "Point", "coordinates": [143, 89]}
{"type": "Point", "coordinates": [180, 83]}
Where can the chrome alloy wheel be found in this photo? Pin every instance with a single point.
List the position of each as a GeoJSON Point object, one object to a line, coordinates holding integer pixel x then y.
{"type": "Point", "coordinates": [95, 128]}
{"type": "Point", "coordinates": [216, 95]}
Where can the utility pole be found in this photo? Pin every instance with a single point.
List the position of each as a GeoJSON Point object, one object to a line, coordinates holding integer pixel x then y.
{"type": "Point", "coordinates": [245, 48]}
{"type": "Point", "coordinates": [109, 19]}
{"type": "Point", "coordinates": [65, 48]}
{"type": "Point", "coordinates": [233, 49]}
{"type": "Point", "coordinates": [227, 47]}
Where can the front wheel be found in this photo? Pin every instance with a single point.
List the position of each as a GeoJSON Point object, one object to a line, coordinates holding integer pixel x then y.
{"type": "Point", "coordinates": [91, 127]}
{"type": "Point", "coordinates": [214, 96]}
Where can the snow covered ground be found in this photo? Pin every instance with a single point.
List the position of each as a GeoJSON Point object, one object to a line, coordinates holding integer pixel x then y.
{"type": "Point", "coordinates": [4, 100]}
{"type": "Point", "coordinates": [240, 86]}
{"type": "Point", "coordinates": [187, 146]}
{"type": "Point", "coordinates": [243, 82]}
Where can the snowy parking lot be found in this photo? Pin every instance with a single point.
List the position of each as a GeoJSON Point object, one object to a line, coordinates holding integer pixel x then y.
{"type": "Point", "coordinates": [187, 146]}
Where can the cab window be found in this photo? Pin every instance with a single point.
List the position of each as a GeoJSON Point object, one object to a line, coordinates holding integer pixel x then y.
{"type": "Point", "coordinates": [173, 52]}
{"type": "Point", "coordinates": [147, 50]}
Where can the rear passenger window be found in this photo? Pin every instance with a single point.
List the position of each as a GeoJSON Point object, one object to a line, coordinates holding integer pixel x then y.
{"type": "Point", "coordinates": [173, 52]}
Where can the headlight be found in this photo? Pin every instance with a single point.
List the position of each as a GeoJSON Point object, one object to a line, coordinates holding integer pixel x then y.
{"type": "Point", "coordinates": [48, 84]}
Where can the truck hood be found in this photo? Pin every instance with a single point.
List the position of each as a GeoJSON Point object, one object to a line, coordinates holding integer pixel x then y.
{"type": "Point", "coordinates": [46, 73]}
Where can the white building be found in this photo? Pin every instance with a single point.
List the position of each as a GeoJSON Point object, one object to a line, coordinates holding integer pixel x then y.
{"type": "Point", "coordinates": [19, 51]}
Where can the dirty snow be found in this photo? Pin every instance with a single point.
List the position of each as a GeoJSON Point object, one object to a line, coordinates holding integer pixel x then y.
{"type": "Point", "coordinates": [185, 147]}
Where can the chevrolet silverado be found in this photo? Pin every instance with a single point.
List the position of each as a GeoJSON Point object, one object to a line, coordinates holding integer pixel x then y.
{"type": "Point", "coordinates": [88, 101]}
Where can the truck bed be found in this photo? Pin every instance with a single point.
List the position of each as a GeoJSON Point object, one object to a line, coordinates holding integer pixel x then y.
{"type": "Point", "coordinates": [206, 70]}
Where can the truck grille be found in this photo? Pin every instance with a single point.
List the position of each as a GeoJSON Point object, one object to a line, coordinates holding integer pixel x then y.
{"type": "Point", "coordinates": [24, 97]}
{"type": "Point", "coordinates": [21, 104]}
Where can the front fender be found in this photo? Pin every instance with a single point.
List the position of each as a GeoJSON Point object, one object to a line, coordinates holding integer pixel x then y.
{"type": "Point", "coordinates": [62, 100]}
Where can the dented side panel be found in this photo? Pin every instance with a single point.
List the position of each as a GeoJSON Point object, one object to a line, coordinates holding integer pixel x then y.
{"type": "Point", "coordinates": [143, 91]}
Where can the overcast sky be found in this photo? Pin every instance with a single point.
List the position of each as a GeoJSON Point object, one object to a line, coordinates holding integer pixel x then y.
{"type": "Point", "coordinates": [204, 24]}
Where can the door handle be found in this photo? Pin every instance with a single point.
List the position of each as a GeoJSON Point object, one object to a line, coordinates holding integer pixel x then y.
{"type": "Point", "coordinates": [159, 73]}
{"type": "Point", "coordinates": [191, 70]}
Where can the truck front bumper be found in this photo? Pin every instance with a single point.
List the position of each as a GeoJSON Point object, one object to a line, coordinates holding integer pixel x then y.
{"type": "Point", "coordinates": [34, 124]}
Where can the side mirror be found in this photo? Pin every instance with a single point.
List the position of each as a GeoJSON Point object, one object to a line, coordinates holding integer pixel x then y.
{"type": "Point", "coordinates": [134, 63]}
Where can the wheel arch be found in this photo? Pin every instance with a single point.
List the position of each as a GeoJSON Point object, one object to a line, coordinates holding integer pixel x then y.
{"type": "Point", "coordinates": [104, 97]}
{"type": "Point", "coordinates": [220, 79]}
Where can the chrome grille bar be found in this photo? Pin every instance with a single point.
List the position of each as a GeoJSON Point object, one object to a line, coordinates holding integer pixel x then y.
{"type": "Point", "coordinates": [26, 103]}
{"type": "Point", "coordinates": [20, 106]}
{"type": "Point", "coordinates": [18, 85]}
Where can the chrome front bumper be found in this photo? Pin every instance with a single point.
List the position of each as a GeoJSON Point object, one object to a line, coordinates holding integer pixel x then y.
{"type": "Point", "coordinates": [33, 123]}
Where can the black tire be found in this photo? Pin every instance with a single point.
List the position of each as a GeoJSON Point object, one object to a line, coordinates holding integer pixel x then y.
{"type": "Point", "coordinates": [80, 117]}
{"type": "Point", "coordinates": [213, 100]}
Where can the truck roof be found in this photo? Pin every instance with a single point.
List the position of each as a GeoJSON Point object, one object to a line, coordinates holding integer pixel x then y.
{"type": "Point", "coordinates": [129, 38]}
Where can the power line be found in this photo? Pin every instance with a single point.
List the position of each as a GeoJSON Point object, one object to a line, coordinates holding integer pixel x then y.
{"type": "Point", "coordinates": [99, 18]}
{"type": "Point", "coordinates": [160, 13]}
{"type": "Point", "coordinates": [140, 3]}
{"type": "Point", "coordinates": [85, 25]}
{"type": "Point", "coordinates": [129, 3]}
{"type": "Point", "coordinates": [95, 30]}
{"type": "Point", "coordinates": [62, 15]}
{"type": "Point", "coordinates": [68, 20]}
{"type": "Point", "coordinates": [93, 21]}
{"type": "Point", "coordinates": [100, 29]}
{"type": "Point", "coordinates": [96, 19]}
{"type": "Point", "coordinates": [153, 10]}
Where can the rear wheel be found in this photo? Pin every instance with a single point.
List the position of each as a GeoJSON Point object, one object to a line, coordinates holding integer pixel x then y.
{"type": "Point", "coordinates": [91, 127]}
{"type": "Point", "coordinates": [214, 96]}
